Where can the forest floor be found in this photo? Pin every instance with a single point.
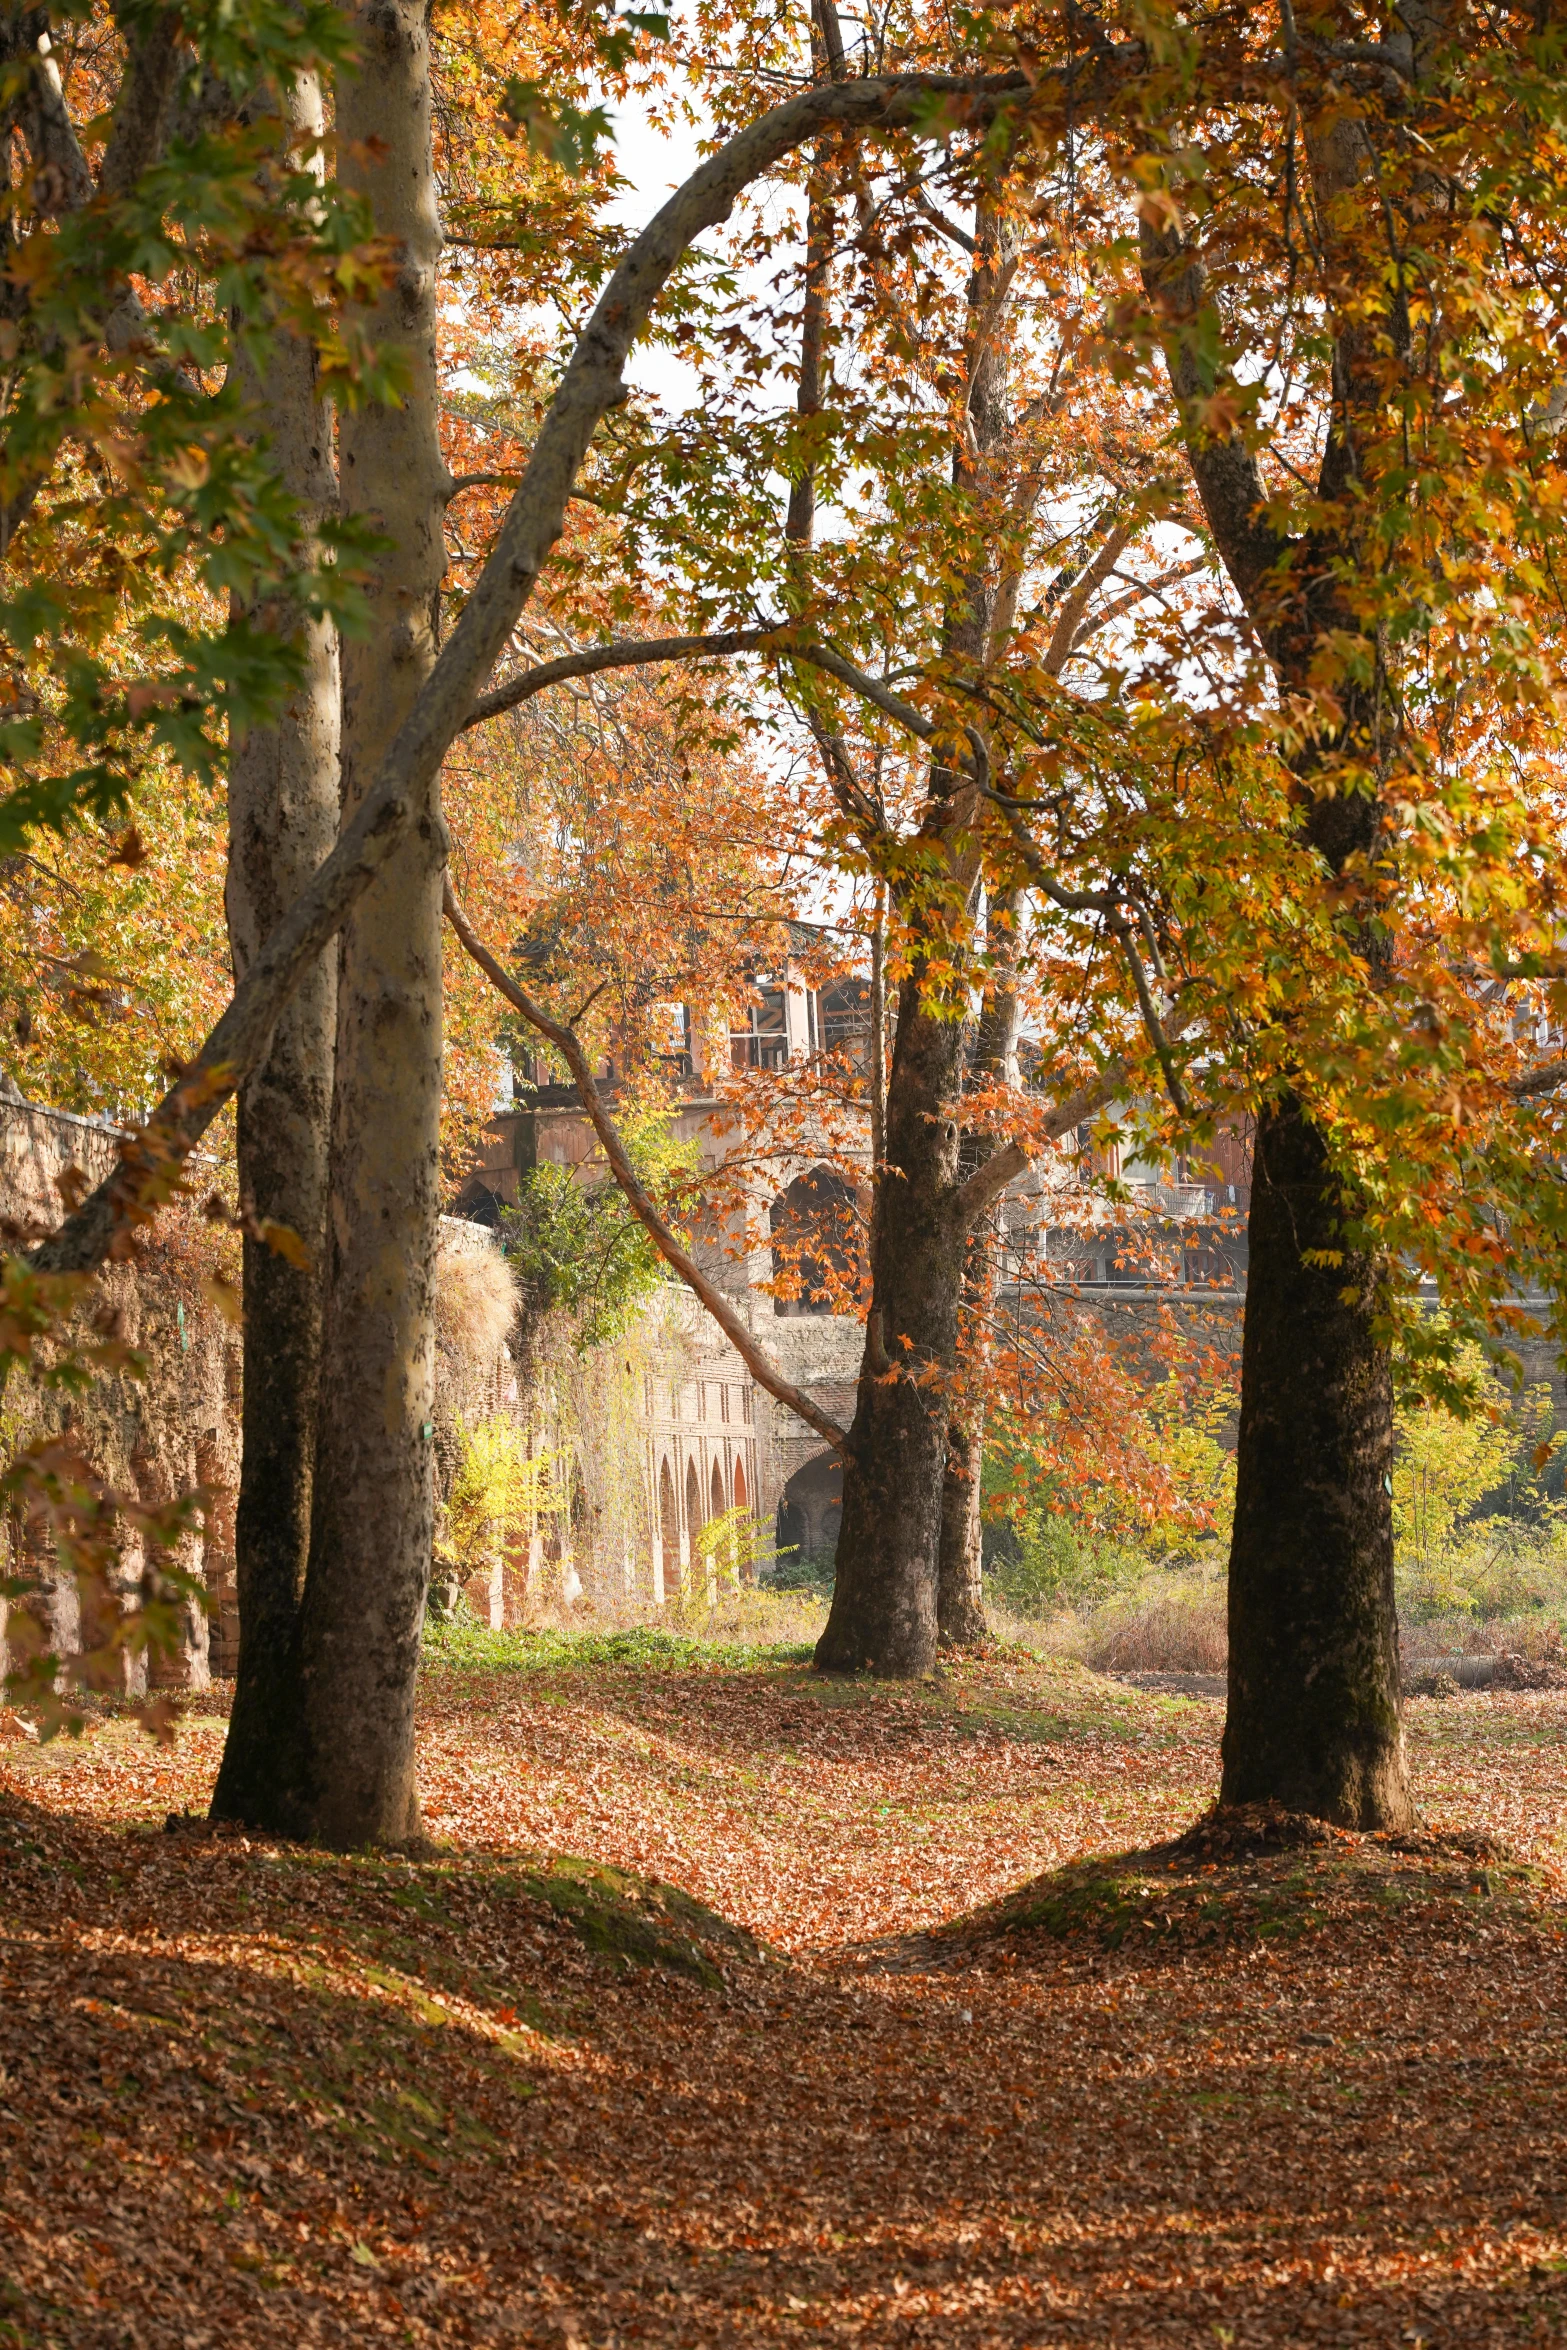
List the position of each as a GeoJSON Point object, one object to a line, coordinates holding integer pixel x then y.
{"type": "Point", "coordinates": [670, 2041]}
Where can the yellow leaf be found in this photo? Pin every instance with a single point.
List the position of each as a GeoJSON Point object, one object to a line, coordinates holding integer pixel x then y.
{"type": "Point", "coordinates": [225, 1296]}
{"type": "Point", "coordinates": [284, 1242]}
{"type": "Point", "coordinates": [189, 469]}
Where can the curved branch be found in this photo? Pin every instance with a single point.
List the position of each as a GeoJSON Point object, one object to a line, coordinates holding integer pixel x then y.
{"type": "Point", "coordinates": [150, 1161]}
{"type": "Point", "coordinates": [569, 1046]}
{"type": "Point", "coordinates": [904, 713]}
{"type": "Point", "coordinates": [629, 653]}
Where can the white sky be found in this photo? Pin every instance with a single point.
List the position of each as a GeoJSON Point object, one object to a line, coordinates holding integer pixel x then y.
{"type": "Point", "coordinates": [656, 161]}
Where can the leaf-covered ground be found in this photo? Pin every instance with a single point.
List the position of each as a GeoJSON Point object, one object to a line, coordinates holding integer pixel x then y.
{"type": "Point", "coordinates": [739, 2008]}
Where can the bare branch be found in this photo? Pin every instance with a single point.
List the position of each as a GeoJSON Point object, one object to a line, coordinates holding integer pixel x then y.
{"type": "Point", "coordinates": [850, 795]}
{"type": "Point", "coordinates": [569, 1045]}
{"type": "Point", "coordinates": [1075, 603]}
{"type": "Point", "coordinates": [949, 228]}
{"type": "Point", "coordinates": [1137, 593]}
{"type": "Point", "coordinates": [479, 481]}
{"type": "Point", "coordinates": [629, 653]}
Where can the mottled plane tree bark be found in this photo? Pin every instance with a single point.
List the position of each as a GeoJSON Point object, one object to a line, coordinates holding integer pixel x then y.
{"type": "Point", "coordinates": [884, 1613]}
{"type": "Point", "coordinates": [373, 1503]}
{"type": "Point", "coordinates": [960, 1592]}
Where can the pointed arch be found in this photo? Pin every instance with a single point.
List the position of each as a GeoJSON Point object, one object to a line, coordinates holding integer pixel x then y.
{"type": "Point", "coordinates": [668, 1530]}
{"type": "Point", "coordinates": [696, 1516]}
{"type": "Point", "coordinates": [740, 1492]}
{"type": "Point", "coordinates": [719, 1504]}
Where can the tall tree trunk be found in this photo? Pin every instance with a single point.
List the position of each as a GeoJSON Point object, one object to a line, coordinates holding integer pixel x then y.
{"type": "Point", "coordinates": [960, 1581]}
{"type": "Point", "coordinates": [884, 1608]}
{"type": "Point", "coordinates": [960, 1589]}
{"type": "Point", "coordinates": [1313, 1717]}
{"type": "Point", "coordinates": [883, 1615]}
{"type": "Point", "coordinates": [373, 1517]}
{"type": "Point", "coordinates": [1314, 1697]}
{"type": "Point", "coordinates": [283, 805]}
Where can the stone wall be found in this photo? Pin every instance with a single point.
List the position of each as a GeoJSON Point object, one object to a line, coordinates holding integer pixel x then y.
{"type": "Point", "coordinates": [154, 1438]}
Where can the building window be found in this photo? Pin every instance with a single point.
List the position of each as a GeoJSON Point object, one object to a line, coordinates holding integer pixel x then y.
{"type": "Point", "coordinates": [761, 1038]}
{"type": "Point", "coordinates": [845, 1012]}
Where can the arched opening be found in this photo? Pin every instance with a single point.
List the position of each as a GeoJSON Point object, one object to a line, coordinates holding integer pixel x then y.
{"type": "Point", "coordinates": [816, 1243]}
{"type": "Point", "coordinates": [718, 1501]}
{"type": "Point", "coordinates": [810, 1510]}
{"type": "Point", "coordinates": [740, 1492]}
{"type": "Point", "coordinates": [695, 1516]}
{"type": "Point", "coordinates": [668, 1531]}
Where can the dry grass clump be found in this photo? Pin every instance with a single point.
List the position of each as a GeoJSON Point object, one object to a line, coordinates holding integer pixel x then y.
{"type": "Point", "coordinates": [1111, 1609]}
{"type": "Point", "coordinates": [475, 1302]}
{"type": "Point", "coordinates": [1180, 1629]}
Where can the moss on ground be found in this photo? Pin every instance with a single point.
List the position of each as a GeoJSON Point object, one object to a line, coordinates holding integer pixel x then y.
{"type": "Point", "coordinates": [636, 1921]}
{"type": "Point", "coordinates": [1254, 1877]}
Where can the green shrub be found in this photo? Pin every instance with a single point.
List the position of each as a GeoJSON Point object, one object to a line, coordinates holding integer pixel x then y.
{"type": "Point", "coordinates": [800, 1570]}
{"type": "Point", "coordinates": [1046, 1564]}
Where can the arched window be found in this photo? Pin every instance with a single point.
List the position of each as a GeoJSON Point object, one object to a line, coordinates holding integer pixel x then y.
{"type": "Point", "coordinates": [719, 1503]}
{"type": "Point", "coordinates": [816, 1241]}
{"type": "Point", "coordinates": [668, 1531]}
{"type": "Point", "coordinates": [740, 1493]}
{"type": "Point", "coordinates": [695, 1520]}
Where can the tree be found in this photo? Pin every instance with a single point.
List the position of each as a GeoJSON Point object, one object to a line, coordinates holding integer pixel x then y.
{"type": "Point", "coordinates": [163, 580]}
{"type": "Point", "coordinates": [1333, 573]}
{"type": "Point", "coordinates": [370, 1795]}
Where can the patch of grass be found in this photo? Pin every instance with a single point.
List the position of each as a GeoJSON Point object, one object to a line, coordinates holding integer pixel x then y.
{"type": "Point", "coordinates": [466, 1646]}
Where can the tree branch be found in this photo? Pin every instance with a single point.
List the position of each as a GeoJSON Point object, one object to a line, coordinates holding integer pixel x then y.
{"type": "Point", "coordinates": [986, 1185]}
{"type": "Point", "coordinates": [1108, 904]}
{"type": "Point", "coordinates": [460, 482]}
{"type": "Point", "coordinates": [902, 712]}
{"type": "Point", "coordinates": [1545, 1079]}
{"type": "Point", "coordinates": [1229, 480]}
{"type": "Point", "coordinates": [629, 653]}
{"type": "Point", "coordinates": [569, 1046]}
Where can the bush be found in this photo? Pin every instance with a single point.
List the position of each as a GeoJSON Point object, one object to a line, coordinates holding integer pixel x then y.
{"type": "Point", "coordinates": [1047, 1563]}
{"type": "Point", "coordinates": [800, 1570]}
{"type": "Point", "coordinates": [499, 1489]}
